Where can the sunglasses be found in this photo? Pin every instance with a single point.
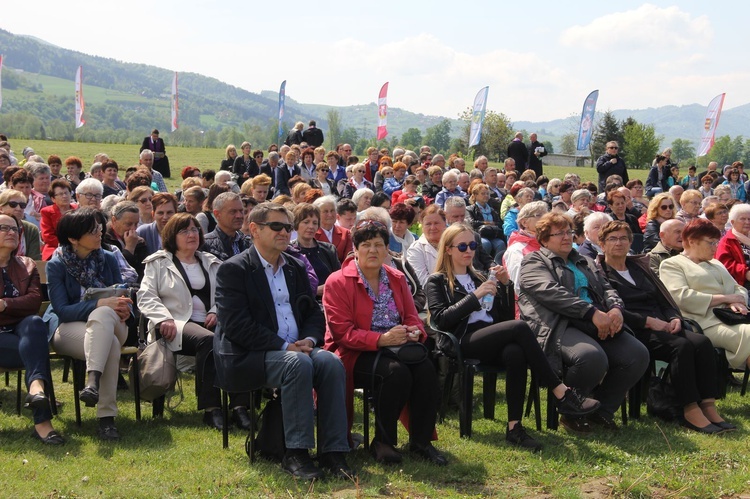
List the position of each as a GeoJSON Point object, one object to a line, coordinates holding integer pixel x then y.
{"type": "Point", "coordinates": [667, 207]}
{"type": "Point", "coordinates": [276, 226]}
{"type": "Point", "coordinates": [324, 169]}
{"type": "Point", "coordinates": [462, 247]}
{"type": "Point", "coordinates": [16, 204]}
{"type": "Point", "coordinates": [613, 147]}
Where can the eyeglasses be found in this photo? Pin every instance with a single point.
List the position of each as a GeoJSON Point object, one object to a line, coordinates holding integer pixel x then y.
{"type": "Point", "coordinates": [9, 228]}
{"type": "Point", "coordinates": [370, 223]}
{"type": "Point", "coordinates": [462, 247]}
{"type": "Point", "coordinates": [189, 231]}
{"type": "Point", "coordinates": [617, 240]}
{"type": "Point", "coordinates": [16, 204]}
{"type": "Point", "coordinates": [713, 244]}
{"type": "Point", "coordinates": [144, 200]}
{"type": "Point", "coordinates": [613, 147]}
{"type": "Point", "coordinates": [667, 207]}
{"type": "Point", "coordinates": [276, 226]}
{"type": "Point", "coordinates": [91, 196]}
{"type": "Point", "coordinates": [324, 170]}
{"type": "Point", "coordinates": [569, 233]}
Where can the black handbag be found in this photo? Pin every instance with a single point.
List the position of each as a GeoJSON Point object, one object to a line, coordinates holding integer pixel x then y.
{"type": "Point", "coordinates": [730, 317]}
{"type": "Point", "coordinates": [662, 400]}
{"type": "Point", "coordinates": [408, 353]}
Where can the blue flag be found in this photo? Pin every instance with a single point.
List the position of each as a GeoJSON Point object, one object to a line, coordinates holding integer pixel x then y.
{"type": "Point", "coordinates": [282, 98]}
{"type": "Point", "coordinates": [586, 128]}
{"type": "Point", "coordinates": [477, 116]}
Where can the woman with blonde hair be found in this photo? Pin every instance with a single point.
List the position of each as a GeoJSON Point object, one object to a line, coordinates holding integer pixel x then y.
{"type": "Point", "coordinates": [228, 162]}
{"type": "Point", "coordinates": [456, 299]}
{"type": "Point", "coordinates": [257, 187]}
{"type": "Point", "coordinates": [661, 208]}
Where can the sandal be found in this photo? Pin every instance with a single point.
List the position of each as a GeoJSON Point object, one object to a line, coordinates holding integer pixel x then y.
{"type": "Point", "coordinates": [52, 438]}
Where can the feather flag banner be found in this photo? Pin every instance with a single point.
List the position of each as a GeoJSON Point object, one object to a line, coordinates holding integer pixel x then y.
{"type": "Point", "coordinates": [79, 98]}
{"type": "Point", "coordinates": [175, 103]}
{"type": "Point", "coordinates": [383, 112]}
{"type": "Point", "coordinates": [586, 128]}
{"type": "Point", "coordinates": [477, 116]}
{"type": "Point", "coordinates": [282, 98]}
{"type": "Point", "coordinates": [708, 137]}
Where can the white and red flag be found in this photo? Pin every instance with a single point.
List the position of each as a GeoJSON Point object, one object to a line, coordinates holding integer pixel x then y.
{"type": "Point", "coordinates": [383, 112]}
{"type": "Point", "coordinates": [708, 137]}
{"type": "Point", "coordinates": [79, 98]}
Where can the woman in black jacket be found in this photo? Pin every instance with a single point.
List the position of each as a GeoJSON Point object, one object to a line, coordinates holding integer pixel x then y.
{"type": "Point", "coordinates": [457, 298]}
{"type": "Point", "coordinates": [485, 220]}
{"type": "Point", "coordinates": [322, 255]}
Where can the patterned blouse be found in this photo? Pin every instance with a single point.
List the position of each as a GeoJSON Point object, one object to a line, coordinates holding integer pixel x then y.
{"type": "Point", "coordinates": [385, 315]}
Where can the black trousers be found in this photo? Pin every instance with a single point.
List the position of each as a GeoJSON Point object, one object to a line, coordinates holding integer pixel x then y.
{"type": "Point", "coordinates": [199, 341]}
{"type": "Point", "coordinates": [692, 367]}
{"type": "Point", "coordinates": [513, 346]}
{"type": "Point", "coordinates": [395, 385]}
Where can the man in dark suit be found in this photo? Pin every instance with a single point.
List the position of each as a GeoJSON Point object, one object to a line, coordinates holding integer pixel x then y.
{"type": "Point", "coordinates": [226, 240]}
{"type": "Point", "coordinates": [269, 333]}
{"type": "Point", "coordinates": [536, 152]}
{"type": "Point", "coordinates": [295, 134]}
{"type": "Point", "coordinates": [313, 135]}
{"type": "Point", "coordinates": [156, 145]}
{"type": "Point", "coordinates": [517, 150]}
{"type": "Point", "coordinates": [284, 173]}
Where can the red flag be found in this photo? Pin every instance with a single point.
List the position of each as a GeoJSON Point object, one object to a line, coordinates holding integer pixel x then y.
{"type": "Point", "coordinates": [383, 112]}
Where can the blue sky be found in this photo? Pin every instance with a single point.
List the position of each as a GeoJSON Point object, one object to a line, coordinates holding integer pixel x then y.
{"type": "Point", "coordinates": [540, 59]}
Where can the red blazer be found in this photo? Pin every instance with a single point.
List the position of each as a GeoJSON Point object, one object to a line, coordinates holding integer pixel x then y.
{"type": "Point", "coordinates": [50, 216]}
{"type": "Point", "coordinates": [729, 253]}
{"type": "Point", "coordinates": [348, 310]}
{"type": "Point", "coordinates": [342, 239]}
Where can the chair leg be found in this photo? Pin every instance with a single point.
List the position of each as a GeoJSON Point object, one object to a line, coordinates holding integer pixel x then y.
{"type": "Point", "coordinates": [534, 398]}
{"type": "Point", "coordinates": [66, 370]}
{"type": "Point", "coordinates": [744, 381]}
{"type": "Point", "coordinates": [366, 416]}
{"type": "Point", "coordinates": [137, 387]}
{"type": "Point", "coordinates": [624, 410]}
{"type": "Point", "coordinates": [7, 378]}
{"type": "Point", "coordinates": [18, 392]}
{"type": "Point", "coordinates": [551, 411]}
{"type": "Point", "coordinates": [78, 368]}
{"type": "Point", "coordinates": [466, 409]}
{"type": "Point", "coordinates": [489, 389]}
{"type": "Point", "coordinates": [254, 401]}
{"type": "Point", "coordinates": [50, 390]}
{"type": "Point", "coordinates": [225, 418]}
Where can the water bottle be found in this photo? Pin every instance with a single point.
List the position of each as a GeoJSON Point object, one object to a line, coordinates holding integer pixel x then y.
{"type": "Point", "coordinates": [488, 300]}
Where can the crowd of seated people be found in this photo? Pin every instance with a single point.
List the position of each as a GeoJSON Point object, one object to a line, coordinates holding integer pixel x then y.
{"type": "Point", "coordinates": [309, 270]}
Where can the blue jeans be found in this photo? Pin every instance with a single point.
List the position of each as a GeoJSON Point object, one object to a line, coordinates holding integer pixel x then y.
{"type": "Point", "coordinates": [296, 374]}
{"type": "Point", "coordinates": [26, 347]}
{"type": "Point", "coordinates": [493, 246]}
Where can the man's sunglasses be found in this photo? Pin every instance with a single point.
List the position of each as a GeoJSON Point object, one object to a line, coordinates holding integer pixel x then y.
{"type": "Point", "coordinates": [276, 226]}
{"type": "Point", "coordinates": [462, 247]}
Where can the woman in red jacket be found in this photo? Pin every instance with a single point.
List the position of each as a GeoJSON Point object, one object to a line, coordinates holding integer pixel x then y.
{"type": "Point", "coordinates": [60, 192]}
{"type": "Point", "coordinates": [369, 307]}
{"type": "Point", "coordinates": [734, 248]}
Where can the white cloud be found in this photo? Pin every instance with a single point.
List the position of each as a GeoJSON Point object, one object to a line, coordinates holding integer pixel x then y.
{"type": "Point", "coordinates": [648, 27]}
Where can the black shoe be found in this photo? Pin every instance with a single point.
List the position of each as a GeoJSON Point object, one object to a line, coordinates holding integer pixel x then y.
{"type": "Point", "coordinates": [37, 401]}
{"type": "Point", "coordinates": [726, 426]}
{"type": "Point", "coordinates": [709, 429]}
{"type": "Point", "coordinates": [430, 453]}
{"type": "Point", "coordinates": [108, 430]}
{"type": "Point", "coordinates": [384, 453]}
{"type": "Point", "coordinates": [52, 438]}
{"type": "Point", "coordinates": [575, 404]}
{"type": "Point", "coordinates": [518, 437]}
{"type": "Point", "coordinates": [578, 426]}
{"type": "Point", "coordinates": [297, 462]}
{"type": "Point", "coordinates": [599, 419]}
{"type": "Point", "coordinates": [214, 419]}
{"type": "Point", "coordinates": [335, 464]}
{"type": "Point", "coordinates": [241, 418]}
{"type": "Point", "coordinates": [89, 396]}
